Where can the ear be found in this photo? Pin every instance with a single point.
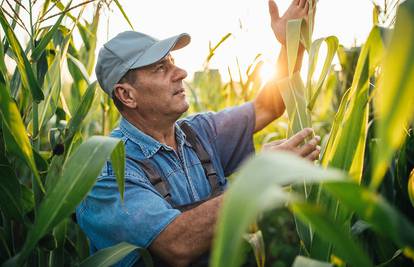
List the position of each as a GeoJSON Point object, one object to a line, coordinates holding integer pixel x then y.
{"type": "Point", "coordinates": [125, 93]}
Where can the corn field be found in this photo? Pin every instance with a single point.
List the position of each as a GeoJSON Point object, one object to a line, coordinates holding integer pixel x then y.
{"type": "Point", "coordinates": [353, 207]}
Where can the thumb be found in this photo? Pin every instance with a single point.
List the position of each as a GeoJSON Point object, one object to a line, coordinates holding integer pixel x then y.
{"type": "Point", "coordinates": [273, 10]}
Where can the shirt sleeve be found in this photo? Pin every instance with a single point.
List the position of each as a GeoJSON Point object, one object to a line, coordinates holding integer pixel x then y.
{"type": "Point", "coordinates": [231, 133]}
{"type": "Point", "coordinates": [138, 220]}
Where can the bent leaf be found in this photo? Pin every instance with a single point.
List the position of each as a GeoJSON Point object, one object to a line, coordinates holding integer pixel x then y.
{"type": "Point", "coordinates": [78, 177]}
{"type": "Point", "coordinates": [110, 256]}
{"type": "Point", "coordinates": [248, 197]}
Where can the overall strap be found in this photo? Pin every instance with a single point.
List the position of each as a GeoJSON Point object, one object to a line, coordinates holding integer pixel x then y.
{"type": "Point", "coordinates": [155, 178]}
{"type": "Point", "coordinates": [203, 156]}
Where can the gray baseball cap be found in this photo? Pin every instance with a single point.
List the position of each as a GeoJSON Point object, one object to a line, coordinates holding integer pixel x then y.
{"type": "Point", "coordinates": [131, 50]}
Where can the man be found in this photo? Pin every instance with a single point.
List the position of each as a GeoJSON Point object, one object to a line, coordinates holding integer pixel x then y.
{"type": "Point", "coordinates": [171, 165]}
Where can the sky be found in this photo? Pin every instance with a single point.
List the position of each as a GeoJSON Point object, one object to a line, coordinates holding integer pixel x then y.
{"type": "Point", "coordinates": [247, 20]}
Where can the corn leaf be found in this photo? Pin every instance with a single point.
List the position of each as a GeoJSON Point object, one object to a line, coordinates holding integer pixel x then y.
{"type": "Point", "coordinates": [332, 232]}
{"type": "Point", "coordinates": [313, 91]}
{"type": "Point", "coordinates": [40, 48]}
{"type": "Point", "coordinates": [23, 65]}
{"type": "Point", "coordinates": [78, 177]}
{"type": "Point", "coordinates": [373, 209]}
{"type": "Point", "coordinates": [394, 100]}
{"type": "Point", "coordinates": [118, 163]}
{"type": "Point", "coordinates": [350, 134]}
{"type": "Point", "coordinates": [293, 33]}
{"type": "Point", "coordinates": [14, 132]}
{"type": "Point", "coordinates": [52, 87]}
{"type": "Point", "coordinates": [123, 13]}
{"type": "Point", "coordinates": [292, 90]}
{"type": "Point", "coordinates": [110, 256]}
{"type": "Point", "coordinates": [80, 114]}
{"type": "Point", "coordinates": [248, 197]}
{"type": "Point", "coordinates": [10, 195]}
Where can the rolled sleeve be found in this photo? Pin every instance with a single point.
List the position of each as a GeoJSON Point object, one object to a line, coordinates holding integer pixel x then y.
{"type": "Point", "coordinates": [231, 132]}
{"type": "Point", "coordinates": [138, 220]}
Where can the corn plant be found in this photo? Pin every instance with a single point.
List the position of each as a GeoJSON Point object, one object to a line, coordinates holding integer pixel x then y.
{"type": "Point", "coordinates": [44, 179]}
{"type": "Point", "coordinates": [331, 212]}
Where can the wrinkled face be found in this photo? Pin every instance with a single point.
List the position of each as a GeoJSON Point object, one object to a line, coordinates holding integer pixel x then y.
{"type": "Point", "coordinates": [159, 89]}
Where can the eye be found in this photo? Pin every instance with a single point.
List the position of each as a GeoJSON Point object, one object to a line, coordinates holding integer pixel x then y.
{"type": "Point", "coordinates": [160, 67]}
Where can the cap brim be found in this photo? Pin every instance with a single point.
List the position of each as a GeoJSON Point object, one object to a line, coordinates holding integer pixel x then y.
{"type": "Point", "coordinates": [161, 49]}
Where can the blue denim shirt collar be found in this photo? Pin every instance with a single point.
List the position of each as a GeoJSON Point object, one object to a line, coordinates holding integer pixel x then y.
{"type": "Point", "coordinates": [148, 145]}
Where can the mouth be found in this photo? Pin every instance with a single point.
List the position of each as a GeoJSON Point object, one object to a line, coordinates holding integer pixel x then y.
{"type": "Point", "coordinates": [180, 91]}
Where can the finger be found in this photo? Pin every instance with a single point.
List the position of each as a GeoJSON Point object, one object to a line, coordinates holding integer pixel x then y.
{"type": "Point", "coordinates": [277, 142]}
{"type": "Point", "coordinates": [314, 155]}
{"type": "Point", "coordinates": [306, 9]}
{"type": "Point", "coordinates": [295, 3]}
{"type": "Point", "coordinates": [302, 3]}
{"type": "Point", "coordinates": [298, 138]}
{"type": "Point", "coordinates": [309, 147]}
{"type": "Point", "coordinates": [273, 10]}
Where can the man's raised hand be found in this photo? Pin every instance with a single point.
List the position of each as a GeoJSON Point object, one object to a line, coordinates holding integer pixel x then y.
{"type": "Point", "coordinates": [309, 150]}
{"type": "Point", "coordinates": [297, 9]}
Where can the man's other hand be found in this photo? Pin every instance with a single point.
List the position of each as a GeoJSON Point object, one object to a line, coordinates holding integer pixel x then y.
{"type": "Point", "coordinates": [298, 9]}
{"type": "Point", "coordinates": [297, 144]}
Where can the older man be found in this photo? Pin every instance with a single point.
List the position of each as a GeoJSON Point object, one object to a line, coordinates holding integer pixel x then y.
{"type": "Point", "coordinates": [175, 170]}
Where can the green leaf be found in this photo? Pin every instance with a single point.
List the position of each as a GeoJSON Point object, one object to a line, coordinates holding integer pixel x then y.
{"type": "Point", "coordinates": [123, 13]}
{"type": "Point", "coordinates": [373, 209]}
{"type": "Point", "coordinates": [110, 256]}
{"type": "Point", "coordinates": [313, 91]}
{"type": "Point", "coordinates": [10, 203]}
{"type": "Point", "coordinates": [23, 65]}
{"type": "Point", "coordinates": [40, 48]}
{"type": "Point", "coordinates": [14, 132]}
{"type": "Point", "coordinates": [118, 163]}
{"type": "Point", "coordinates": [301, 261]}
{"type": "Point", "coordinates": [51, 85]}
{"type": "Point", "coordinates": [78, 177]}
{"type": "Point", "coordinates": [248, 197]}
{"type": "Point", "coordinates": [79, 68]}
{"type": "Point", "coordinates": [80, 114]}
{"type": "Point", "coordinates": [292, 90]}
{"type": "Point", "coordinates": [346, 145]}
{"type": "Point", "coordinates": [349, 250]}
{"type": "Point", "coordinates": [394, 101]}
{"type": "Point", "coordinates": [293, 32]}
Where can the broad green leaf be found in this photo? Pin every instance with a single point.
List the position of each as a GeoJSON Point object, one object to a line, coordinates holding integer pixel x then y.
{"type": "Point", "coordinates": [301, 261]}
{"type": "Point", "coordinates": [258, 188]}
{"type": "Point", "coordinates": [14, 132]}
{"type": "Point", "coordinates": [79, 67]}
{"type": "Point", "coordinates": [110, 256]}
{"type": "Point", "coordinates": [350, 251]}
{"type": "Point", "coordinates": [293, 32]}
{"type": "Point", "coordinates": [332, 45]}
{"type": "Point", "coordinates": [52, 87]}
{"type": "Point", "coordinates": [350, 128]}
{"type": "Point", "coordinates": [293, 93]}
{"type": "Point", "coordinates": [78, 177]}
{"type": "Point", "coordinates": [10, 203]}
{"type": "Point", "coordinates": [373, 209]}
{"type": "Point", "coordinates": [394, 101]}
{"type": "Point", "coordinates": [80, 114]}
{"type": "Point", "coordinates": [40, 48]}
{"type": "Point", "coordinates": [118, 163]}
{"type": "Point", "coordinates": [123, 13]}
{"type": "Point", "coordinates": [23, 65]}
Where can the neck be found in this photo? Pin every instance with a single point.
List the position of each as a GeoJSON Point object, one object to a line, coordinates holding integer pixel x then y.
{"type": "Point", "coordinates": [161, 129]}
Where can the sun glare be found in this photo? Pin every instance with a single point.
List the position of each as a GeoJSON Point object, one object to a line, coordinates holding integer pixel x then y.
{"type": "Point", "coordinates": [266, 72]}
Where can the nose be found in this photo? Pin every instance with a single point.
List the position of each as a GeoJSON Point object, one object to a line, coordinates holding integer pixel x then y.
{"type": "Point", "coordinates": [179, 74]}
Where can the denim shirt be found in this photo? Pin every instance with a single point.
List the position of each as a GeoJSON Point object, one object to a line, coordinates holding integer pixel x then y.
{"type": "Point", "coordinates": [226, 135]}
